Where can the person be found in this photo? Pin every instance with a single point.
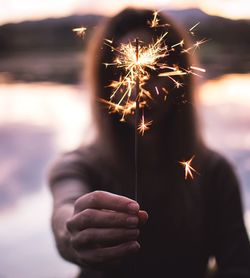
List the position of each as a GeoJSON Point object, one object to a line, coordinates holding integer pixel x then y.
{"type": "Point", "coordinates": [176, 224]}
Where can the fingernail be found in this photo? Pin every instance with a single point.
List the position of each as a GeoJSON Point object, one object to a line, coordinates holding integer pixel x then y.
{"type": "Point", "coordinates": [132, 221]}
{"type": "Point", "coordinates": [133, 208]}
{"type": "Point", "coordinates": [135, 245]}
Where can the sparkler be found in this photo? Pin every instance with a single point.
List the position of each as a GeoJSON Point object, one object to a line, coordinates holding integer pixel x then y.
{"type": "Point", "coordinates": [188, 168]}
{"type": "Point", "coordinates": [137, 88]}
{"type": "Point", "coordinates": [137, 68]}
{"type": "Point", "coordinates": [137, 62]}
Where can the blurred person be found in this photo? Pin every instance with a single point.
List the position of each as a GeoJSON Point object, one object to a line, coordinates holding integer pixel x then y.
{"type": "Point", "coordinates": [177, 224]}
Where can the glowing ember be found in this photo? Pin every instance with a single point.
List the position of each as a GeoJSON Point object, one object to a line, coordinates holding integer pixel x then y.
{"type": "Point", "coordinates": [144, 126]}
{"type": "Point", "coordinates": [137, 63]}
{"type": "Point", "coordinates": [188, 168]}
{"type": "Point", "coordinates": [199, 69]}
{"type": "Point", "coordinates": [155, 22]}
{"type": "Point", "coordinates": [80, 31]}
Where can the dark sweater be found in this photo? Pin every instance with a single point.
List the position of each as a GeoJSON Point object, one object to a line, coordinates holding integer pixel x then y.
{"type": "Point", "coordinates": [189, 221]}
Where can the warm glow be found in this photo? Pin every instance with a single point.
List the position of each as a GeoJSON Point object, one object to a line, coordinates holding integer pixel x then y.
{"type": "Point", "coordinates": [189, 170]}
{"type": "Point", "coordinates": [226, 100]}
{"type": "Point", "coordinates": [234, 9]}
{"type": "Point", "coordinates": [137, 60]}
{"type": "Point", "coordinates": [15, 10]}
{"type": "Point", "coordinates": [62, 108]}
{"type": "Point", "coordinates": [233, 88]}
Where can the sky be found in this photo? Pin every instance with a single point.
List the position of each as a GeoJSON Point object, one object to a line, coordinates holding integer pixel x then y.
{"type": "Point", "coordinates": [18, 10]}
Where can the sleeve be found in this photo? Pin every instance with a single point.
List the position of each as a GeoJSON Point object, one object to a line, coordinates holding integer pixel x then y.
{"type": "Point", "coordinates": [71, 165]}
{"type": "Point", "coordinates": [232, 248]}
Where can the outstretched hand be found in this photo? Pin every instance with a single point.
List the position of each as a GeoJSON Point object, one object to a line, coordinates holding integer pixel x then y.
{"type": "Point", "coordinates": [104, 228]}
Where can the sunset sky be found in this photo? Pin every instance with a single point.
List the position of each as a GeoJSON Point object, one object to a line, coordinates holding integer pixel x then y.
{"type": "Point", "coordinates": [16, 10]}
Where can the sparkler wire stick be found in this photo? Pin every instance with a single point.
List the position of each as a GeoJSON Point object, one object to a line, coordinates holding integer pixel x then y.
{"type": "Point", "coordinates": [137, 108]}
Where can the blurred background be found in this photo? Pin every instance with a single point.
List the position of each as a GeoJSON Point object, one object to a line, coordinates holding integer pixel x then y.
{"type": "Point", "coordinates": [44, 111]}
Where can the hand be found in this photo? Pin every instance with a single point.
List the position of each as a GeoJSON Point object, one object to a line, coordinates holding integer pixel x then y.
{"type": "Point", "coordinates": [104, 228]}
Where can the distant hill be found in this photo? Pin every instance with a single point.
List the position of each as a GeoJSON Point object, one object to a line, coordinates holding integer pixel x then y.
{"type": "Point", "coordinates": [56, 33]}
{"type": "Point", "coordinates": [47, 34]}
{"type": "Point", "coordinates": [187, 15]}
{"type": "Point", "coordinates": [226, 51]}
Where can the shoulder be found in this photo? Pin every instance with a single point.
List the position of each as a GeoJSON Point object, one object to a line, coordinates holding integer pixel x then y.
{"type": "Point", "coordinates": [218, 174]}
{"type": "Point", "coordinates": [74, 164]}
{"type": "Point", "coordinates": [215, 164]}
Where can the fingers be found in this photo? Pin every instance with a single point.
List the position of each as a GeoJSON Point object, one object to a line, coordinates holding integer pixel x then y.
{"type": "Point", "coordinates": [106, 200]}
{"type": "Point", "coordinates": [143, 217]}
{"type": "Point", "coordinates": [103, 237]}
{"type": "Point", "coordinates": [93, 218]}
{"type": "Point", "coordinates": [108, 254]}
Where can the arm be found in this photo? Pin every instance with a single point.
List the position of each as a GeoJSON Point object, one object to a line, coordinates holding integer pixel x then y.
{"type": "Point", "coordinates": [91, 228]}
{"type": "Point", "coordinates": [65, 193]}
{"type": "Point", "coordinates": [232, 248]}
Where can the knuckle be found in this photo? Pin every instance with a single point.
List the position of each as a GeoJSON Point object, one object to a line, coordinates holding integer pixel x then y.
{"type": "Point", "coordinates": [88, 213]}
{"type": "Point", "coordinates": [118, 219]}
{"type": "Point", "coordinates": [115, 218]}
{"type": "Point", "coordinates": [94, 197]}
{"type": "Point", "coordinates": [87, 217]}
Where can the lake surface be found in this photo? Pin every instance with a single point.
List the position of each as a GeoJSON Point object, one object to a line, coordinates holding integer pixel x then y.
{"type": "Point", "coordinates": [40, 120]}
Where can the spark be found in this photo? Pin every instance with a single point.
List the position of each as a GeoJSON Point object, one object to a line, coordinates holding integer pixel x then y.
{"type": "Point", "coordinates": [173, 73]}
{"type": "Point", "coordinates": [198, 69]}
{"type": "Point", "coordinates": [166, 93]}
{"type": "Point", "coordinates": [188, 168]}
{"type": "Point", "coordinates": [181, 43]}
{"type": "Point", "coordinates": [157, 91]}
{"type": "Point", "coordinates": [155, 22]}
{"type": "Point", "coordinates": [199, 43]}
{"type": "Point", "coordinates": [192, 28]}
{"type": "Point", "coordinates": [144, 126]}
{"type": "Point", "coordinates": [138, 64]}
{"type": "Point", "coordinates": [80, 31]}
{"type": "Point", "coordinates": [194, 47]}
{"type": "Point", "coordinates": [149, 57]}
{"type": "Point", "coordinates": [109, 41]}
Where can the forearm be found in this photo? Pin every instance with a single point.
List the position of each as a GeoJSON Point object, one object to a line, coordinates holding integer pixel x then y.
{"type": "Point", "coordinates": [64, 195]}
{"type": "Point", "coordinates": [62, 237]}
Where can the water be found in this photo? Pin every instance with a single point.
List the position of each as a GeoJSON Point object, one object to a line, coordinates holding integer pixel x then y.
{"type": "Point", "coordinates": [39, 120]}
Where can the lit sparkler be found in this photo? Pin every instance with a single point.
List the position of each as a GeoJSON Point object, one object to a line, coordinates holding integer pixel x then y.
{"type": "Point", "coordinates": [138, 66]}
{"type": "Point", "coordinates": [136, 62]}
{"type": "Point", "coordinates": [149, 59]}
{"type": "Point", "coordinates": [189, 170]}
